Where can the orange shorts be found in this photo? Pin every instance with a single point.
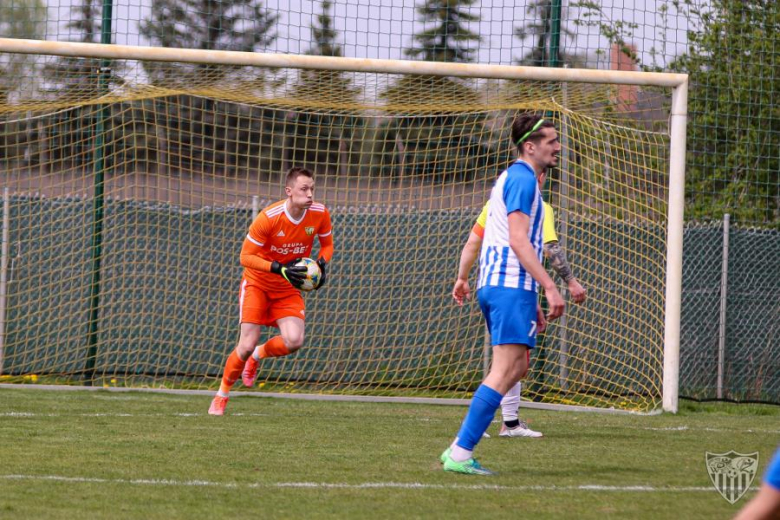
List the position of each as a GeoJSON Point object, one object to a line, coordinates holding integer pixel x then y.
{"type": "Point", "coordinates": [256, 305]}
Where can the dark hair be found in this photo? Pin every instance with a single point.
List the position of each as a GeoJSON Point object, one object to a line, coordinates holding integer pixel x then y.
{"type": "Point", "coordinates": [523, 128]}
{"type": "Point", "coordinates": [295, 172]}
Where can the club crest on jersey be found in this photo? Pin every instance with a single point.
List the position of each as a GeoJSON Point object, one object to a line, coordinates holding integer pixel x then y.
{"type": "Point", "coordinates": [732, 473]}
{"type": "Point", "coordinates": [310, 230]}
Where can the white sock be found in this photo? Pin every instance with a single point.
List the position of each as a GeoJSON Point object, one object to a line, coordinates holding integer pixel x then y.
{"type": "Point", "coordinates": [222, 394]}
{"type": "Point", "coordinates": [459, 454]}
{"type": "Point", "coordinates": [511, 403]}
{"type": "Point", "coordinates": [256, 354]}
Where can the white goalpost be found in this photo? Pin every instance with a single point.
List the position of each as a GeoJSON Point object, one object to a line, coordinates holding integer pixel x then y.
{"type": "Point", "coordinates": [442, 201]}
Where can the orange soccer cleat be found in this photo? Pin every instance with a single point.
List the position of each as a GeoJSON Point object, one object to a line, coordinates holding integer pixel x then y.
{"type": "Point", "coordinates": [249, 373]}
{"type": "Point", "coordinates": [218, 405]}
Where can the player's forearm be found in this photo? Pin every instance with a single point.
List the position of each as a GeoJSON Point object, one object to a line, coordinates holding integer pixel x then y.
{"type": "Point", "coordinates": [326, 248]}
{"type": "Point", "coordinates": [255, 262]}
{"type": "Point", "coordinates": [468, 256]}
{"type": "Point", "coordinates": [249, 257]}
{"type": "Point", "coordinates": [554, 253]}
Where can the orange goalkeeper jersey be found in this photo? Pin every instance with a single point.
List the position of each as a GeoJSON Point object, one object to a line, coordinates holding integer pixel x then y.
{"type": "Point", "coordinates": [276, 236]}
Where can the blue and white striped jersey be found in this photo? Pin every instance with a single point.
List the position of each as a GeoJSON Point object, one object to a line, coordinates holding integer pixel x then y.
{"type": "Point", "coordinates": [516, 189]}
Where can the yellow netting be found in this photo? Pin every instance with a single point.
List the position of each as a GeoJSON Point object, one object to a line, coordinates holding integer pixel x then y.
{"type": "Point", "coordinates": [404, 163]}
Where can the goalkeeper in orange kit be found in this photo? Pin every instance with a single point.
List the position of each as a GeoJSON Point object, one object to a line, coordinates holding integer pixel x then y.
{"type": "Point", "coordinates": [269, 296]}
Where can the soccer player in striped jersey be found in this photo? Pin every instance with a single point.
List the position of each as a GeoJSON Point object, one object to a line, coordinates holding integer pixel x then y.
{"type": "Point", "coordinates": [512, 425]}
{"type": "Point", "coordinates": [510, 273]}
{"type": "Point", "coordinates": [269, 295]}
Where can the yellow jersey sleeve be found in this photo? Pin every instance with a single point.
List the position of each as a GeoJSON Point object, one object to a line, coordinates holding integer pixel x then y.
{"type": "Point", "coordinates": [479, 225]}
{"type": "Point", "coordinates": [548, 226]}
{"type": "Point", "coordinates": [482, 218]}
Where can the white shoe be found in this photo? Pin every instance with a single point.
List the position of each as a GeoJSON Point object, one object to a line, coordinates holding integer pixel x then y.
{"type": "Point", "coordinates": [522, 430]}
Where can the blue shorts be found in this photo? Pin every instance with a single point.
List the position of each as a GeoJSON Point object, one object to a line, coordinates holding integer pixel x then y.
{"type": "Point", "coordinates": [510, 315]}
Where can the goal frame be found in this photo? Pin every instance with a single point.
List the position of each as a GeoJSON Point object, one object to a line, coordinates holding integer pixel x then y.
{"type": "Point", "coordinates": [678, 123]}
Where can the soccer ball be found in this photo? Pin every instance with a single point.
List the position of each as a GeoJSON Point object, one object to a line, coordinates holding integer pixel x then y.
{"type": "Point", "coordinates": [313, 274]}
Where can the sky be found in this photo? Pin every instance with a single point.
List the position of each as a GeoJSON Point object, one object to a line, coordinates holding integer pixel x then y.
{"type": "Point", "coordinates": [383, 28]}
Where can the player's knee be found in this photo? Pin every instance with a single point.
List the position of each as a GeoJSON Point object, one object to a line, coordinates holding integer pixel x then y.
{"type": "Point", "coordinates": [244, 349]}
{"type": "Point", "coordinates": [515, 375]}
{"type": "Point", "coordinates": [507, 375]}
{"type": "Point", "coordinates": [293, 342]}
{"type": "Point", "coordinates": [524, 372]}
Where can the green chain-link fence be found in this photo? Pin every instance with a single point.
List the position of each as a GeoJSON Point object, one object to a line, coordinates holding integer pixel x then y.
{"type": "Point", "coordinates": [734, 130]}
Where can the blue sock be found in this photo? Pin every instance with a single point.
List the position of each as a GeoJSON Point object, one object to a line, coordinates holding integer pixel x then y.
{"type": "Point", "coordinates": [481, 412]}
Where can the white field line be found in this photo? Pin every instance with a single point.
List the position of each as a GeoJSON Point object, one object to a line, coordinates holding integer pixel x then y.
{"type": "Point", "coordinates": [363, 485]}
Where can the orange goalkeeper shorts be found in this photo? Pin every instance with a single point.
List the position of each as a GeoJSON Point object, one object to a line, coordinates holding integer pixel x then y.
{"type": "Point", "coordinates": [256, 305]}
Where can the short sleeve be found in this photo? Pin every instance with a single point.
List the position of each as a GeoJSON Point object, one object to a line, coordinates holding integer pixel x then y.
{"type": "Point", "coordinates": [482, 218]}
{"type": "Point", "coordinates": [548, 225]}
{"type": "Point", "coordinates": [519, 193]}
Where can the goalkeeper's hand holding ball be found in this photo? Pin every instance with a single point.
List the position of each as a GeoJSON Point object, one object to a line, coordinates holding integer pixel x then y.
{"type": "Point", "coordinates": [322, 263]}
{"type": "Point", "coordinates": [295, 274]}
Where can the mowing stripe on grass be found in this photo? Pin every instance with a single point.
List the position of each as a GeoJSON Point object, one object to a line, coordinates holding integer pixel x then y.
{"type": "Point", "coordinates": [365, 485]}
{"type": "Point", "coordinates": [23, 415]}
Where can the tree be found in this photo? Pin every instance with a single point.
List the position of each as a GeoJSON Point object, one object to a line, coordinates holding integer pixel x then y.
{"type": "Point", "coordinates": [227, 25]}
{"type": "Point", "coordinates": [67, 135]}
{"type": "Point", "coordinates": [76, 78]}
{"type": "Point", "coordinates": [448, 40]}
{"type": "Point", "coordinates": [199, 134]}
{"type": "Point", "coordinates": [540, 31]}
{"type": "Point", "coordinates": [322, 134]}
{"type": "Point", "coordinates": [20, 19]}
{"type": "Point", "coordinates": [18, 72]}
{"type": "Point", "coordinates": [433, 132]}
{"type": "Point", "coordinates": [734, 129]}
{"type": "Point", "coordinates": [734, 117]}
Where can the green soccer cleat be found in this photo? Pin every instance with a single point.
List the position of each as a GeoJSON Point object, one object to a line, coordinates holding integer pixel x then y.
{"type": "Point", "coordinates": [468, 467]}
{"type": "Point", "coordinates": [445, 454]}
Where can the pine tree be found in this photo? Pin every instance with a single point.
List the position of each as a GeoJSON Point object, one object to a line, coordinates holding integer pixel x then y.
{"type": "Point", "coordinates": [227, 25]}
{"type": "Point", "coordinates": [448, 39]}
{"type": "Point", "coordinates": [539, 29]}
{"type": "Point", "coordinates": [433, 142]}
{"type": "Point", "coordinates": [323, 136]}
{"type": "Point", "coordinates": [200, 134]}
{"type": "Point", "coordinates": [75, 80]}
{"type": "Point", "coordinates": [21, 19]}
{"type": "Point", "coordinates": [18, 75]}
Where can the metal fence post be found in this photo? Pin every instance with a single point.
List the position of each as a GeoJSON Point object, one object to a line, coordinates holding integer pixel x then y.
{"type": "Point", "coordinates": [4, 271]}
{"type": "Point", "coordinates": [724, 277]}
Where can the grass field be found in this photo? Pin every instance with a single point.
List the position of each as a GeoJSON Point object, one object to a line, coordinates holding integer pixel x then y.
{"type": "Point", "coordinates": [82, 454]}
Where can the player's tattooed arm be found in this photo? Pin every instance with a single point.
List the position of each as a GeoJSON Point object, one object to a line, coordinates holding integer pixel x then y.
{"type": "Point", "coordinates": [554, 253]}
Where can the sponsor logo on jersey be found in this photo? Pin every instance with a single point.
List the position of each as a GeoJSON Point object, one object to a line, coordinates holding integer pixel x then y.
{"type": "Point", "coordinates": [294, 248]}
{"type": "Point", "coordinates": [280, 233]}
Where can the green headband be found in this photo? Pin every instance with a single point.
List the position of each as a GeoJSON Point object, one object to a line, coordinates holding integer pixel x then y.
{"type": "Point", "coordinates": [528, 133]}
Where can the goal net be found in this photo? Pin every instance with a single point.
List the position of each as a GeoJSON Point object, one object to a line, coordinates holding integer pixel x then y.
{"type": "Point", "coordinates": [129, 185]}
